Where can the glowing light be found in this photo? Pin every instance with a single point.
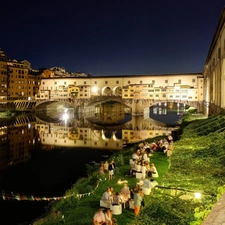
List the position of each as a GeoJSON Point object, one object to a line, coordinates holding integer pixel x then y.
{"type": "Point", "coordinates": [65, 116]}
{"type": "Point", "coordinates": [197, 195]}
{"type": "Point", "coordinates": [95, 89]}
{"type": "Point", "coordinates": [122, 181]}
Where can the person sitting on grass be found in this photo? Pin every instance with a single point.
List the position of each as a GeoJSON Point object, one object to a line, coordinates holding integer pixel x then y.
{"type": "Point", "coordinates": [136, 155]}
{"type": "Point", "coordinates": [106, 196]}
{"type": "Point", "coordinates": [99, 218]}
{"type": "Point", "coordinates": [116, 199]}
{"type": "Point", "coordinates": [153, 171]}
{"type": "Point", "coordinates": [125, 191]}
{"type": "Point", "coordinates": [125, 194]}
{"type": "Point", "coordinates": [108, 217]}
{"type": "Point", "coordinates": [153, 185]}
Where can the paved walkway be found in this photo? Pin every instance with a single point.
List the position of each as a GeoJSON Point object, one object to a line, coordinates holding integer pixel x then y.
{"type": "Point", "coordinates": [217, 215]}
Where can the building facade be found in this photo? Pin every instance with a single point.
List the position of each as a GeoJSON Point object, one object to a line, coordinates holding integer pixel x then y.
{"type": "Point", "coordinates": [168, 87]}
{"type": "Point", "coordinates": [214, 71]}
{"type": "Point", "coordinates": [3, 75]}
{"type": "Point", "coordinates": [18, 80]}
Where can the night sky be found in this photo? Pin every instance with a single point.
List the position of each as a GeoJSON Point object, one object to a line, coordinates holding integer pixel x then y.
{"type": "Point", "coordinates": [110, 37]}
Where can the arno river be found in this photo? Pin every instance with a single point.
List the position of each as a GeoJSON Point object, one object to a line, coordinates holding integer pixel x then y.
{"type": "Point", "coordinates": [43, 155]}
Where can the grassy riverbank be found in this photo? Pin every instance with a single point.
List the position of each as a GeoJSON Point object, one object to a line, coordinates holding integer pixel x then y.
{"type": "Point", "coordinates": [80, 210]}
{"type": "Point", "coordinates": [196, 165]}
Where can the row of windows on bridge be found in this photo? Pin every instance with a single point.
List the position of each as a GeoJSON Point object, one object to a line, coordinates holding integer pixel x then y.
{"type": "Point", "coordinates": [128, 82]}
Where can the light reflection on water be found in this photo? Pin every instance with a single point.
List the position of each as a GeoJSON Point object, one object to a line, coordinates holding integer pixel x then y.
{"type": "Point", "coordinates": [40, 154]}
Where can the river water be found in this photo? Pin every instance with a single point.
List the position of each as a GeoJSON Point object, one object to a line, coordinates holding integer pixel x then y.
{"type": "Point", "coordinates": [43, 155]}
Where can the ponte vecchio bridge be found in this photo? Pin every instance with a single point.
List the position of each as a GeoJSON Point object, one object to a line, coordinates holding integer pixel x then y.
{"type": "Point", "coordinates": [137, 92]}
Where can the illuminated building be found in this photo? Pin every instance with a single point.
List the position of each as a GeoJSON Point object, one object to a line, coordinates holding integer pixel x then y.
{"type": "Point", "coordinates": [3, 75]}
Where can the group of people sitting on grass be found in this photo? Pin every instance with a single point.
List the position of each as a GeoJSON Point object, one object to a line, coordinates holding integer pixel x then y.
{"type": "Point", "coordinates": [140, 163]}
{"type": "Point", "coordinates": [103, 217]}
{"type": "Point", "coordinates": [164, 145]}
{"type": "Point", "coordinates": [138, 193]}
{"type": "Point", "coordinates": [116, 198]}
{"type": "Point", "coordinates": [111, 198]}
{"type": "Point", "coordinates": [125, 196]}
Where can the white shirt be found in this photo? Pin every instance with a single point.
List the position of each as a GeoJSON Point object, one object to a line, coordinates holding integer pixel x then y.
{"type": "Point", "coordinates": [106, 196]}
{"type": "Point", "coordinates": [154, 183]}
{"type": "Point", "coordinates": [135, 156]}
{"type": "Point", "coordinates": [147, 184]}
{"type": "Point", "coordinates": [138, 168]}
{"type": "Point", "coordinates": [99, 217]}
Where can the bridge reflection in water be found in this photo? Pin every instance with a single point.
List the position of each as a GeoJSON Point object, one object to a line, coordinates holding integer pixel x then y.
{"type": "Point", "coordinates": [39, 151]}
{"type": "Point", "coordinates": [110, 127]}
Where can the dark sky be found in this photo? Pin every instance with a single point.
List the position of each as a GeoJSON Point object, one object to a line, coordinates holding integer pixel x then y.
{"type": "Point", "coordinates": [110, 37]}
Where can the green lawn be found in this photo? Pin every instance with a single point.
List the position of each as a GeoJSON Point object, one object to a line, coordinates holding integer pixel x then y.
{"type": "Point", "coordinates": [80, 212]}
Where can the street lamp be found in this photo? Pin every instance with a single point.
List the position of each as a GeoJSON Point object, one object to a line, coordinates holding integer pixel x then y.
{"type": "Point", "coordinates": [95, 90]}
{"type": "Point", "coordinates": [197, 195]}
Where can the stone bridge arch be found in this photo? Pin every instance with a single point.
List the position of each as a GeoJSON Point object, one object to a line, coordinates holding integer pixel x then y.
{"type": "Point", "coordinates": [44, 103]}
{"type": "Point", "coordinates": [107, 91]}
{"type": "Point", "coordinates": [117, 91]}
{"type": "Point", "coordinates": [196, 104]}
